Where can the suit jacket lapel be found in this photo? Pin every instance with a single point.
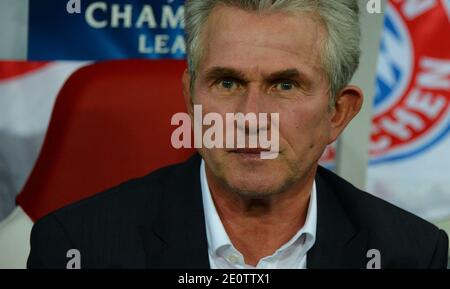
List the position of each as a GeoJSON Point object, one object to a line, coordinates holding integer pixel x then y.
{"type": "Point", "coordinates": [179, 233]}
{"type": "Point", "coordinates": [178, 239]}
{"type": "Point", "coordinates": [338, 243]}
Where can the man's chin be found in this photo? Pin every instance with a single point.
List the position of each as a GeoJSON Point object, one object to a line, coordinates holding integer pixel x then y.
{"type": "Point", "coordinates": [246, 162]}
{"type": "Point", "coordinates": [253, 187]}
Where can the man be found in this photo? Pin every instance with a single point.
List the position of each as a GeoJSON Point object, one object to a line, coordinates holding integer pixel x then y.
{"type": "Point", "coordinates": [228, 207]}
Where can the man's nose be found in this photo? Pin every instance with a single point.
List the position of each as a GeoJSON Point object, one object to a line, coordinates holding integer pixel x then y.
{"type": "Point", "coordinates": [252, 101]}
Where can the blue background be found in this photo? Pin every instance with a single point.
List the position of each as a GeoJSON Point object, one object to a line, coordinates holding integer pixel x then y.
{"type": "Point", "coordinates": [54, 34]}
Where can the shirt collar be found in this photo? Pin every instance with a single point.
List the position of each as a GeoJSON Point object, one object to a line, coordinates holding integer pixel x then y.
{"type": "Point", "coordinates": [217, 236]}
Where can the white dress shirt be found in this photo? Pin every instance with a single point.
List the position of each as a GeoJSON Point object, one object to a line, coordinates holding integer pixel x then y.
{"type": "Point", "coordinates": [223, 255]}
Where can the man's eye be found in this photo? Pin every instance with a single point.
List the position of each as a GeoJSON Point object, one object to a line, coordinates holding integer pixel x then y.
{"type": "Point", "coordinates": [285, 85]}
{"type": "Point", "coordinates": [227, 83]}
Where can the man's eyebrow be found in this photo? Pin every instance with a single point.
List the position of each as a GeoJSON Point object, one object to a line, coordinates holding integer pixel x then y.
{"type": "Point", "coordinates": [219, 72]}
{"type": "Point", "coordinates": [224, 72]}
{"type": "Point", "coordinates": [284, 74]}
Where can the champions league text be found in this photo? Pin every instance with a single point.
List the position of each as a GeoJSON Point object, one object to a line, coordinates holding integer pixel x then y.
{"type": "Point", "coordinates": [103, 15]}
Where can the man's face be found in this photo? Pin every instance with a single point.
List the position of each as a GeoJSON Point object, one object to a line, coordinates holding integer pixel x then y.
{"type": "Point", "coordinates": [265, 64]}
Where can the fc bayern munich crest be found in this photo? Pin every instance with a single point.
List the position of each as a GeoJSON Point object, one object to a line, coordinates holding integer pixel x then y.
{"type": "Point", "coordinates": [411, 111]}
{"type": "Point", "coordinates": [412, 102]}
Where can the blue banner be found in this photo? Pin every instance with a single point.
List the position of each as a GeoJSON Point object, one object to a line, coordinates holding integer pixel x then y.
{"type": "Point", "coordinates": [100, 30]}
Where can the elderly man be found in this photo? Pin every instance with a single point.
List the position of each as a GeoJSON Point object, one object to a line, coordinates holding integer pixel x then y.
{"type": "Point", "coordinates": [229, 208]}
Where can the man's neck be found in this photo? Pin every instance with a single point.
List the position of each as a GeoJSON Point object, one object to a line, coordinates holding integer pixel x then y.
{"type": "Point", "coordinates": [257, 227]}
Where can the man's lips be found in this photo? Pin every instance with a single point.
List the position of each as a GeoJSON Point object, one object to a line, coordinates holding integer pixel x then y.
{"type": "Point", "coordinates": [248, 150]}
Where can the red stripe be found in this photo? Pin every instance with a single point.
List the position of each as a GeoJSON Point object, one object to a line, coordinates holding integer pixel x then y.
{"type": "Point", "coordinates": [12, 69]}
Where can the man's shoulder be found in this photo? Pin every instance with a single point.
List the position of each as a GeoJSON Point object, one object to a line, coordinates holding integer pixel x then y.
{"type": "Point", "coordinates": [390, 228]}
{"type": "Point", "coordinates": [365, 207]}
{"type": "Point", "coordinates": [134, 199]}
{"type": "Point", "coordinates": [109, 227]}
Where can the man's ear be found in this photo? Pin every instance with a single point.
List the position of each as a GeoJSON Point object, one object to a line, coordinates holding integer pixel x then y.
{"type": "Point", "coordinates": [348, 104]}
{"type": "Point", "coordinates": [187, 93]}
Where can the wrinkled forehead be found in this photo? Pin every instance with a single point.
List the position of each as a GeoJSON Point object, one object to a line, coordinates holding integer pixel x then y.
{"type": "Point", "coordinates": [238, 38]}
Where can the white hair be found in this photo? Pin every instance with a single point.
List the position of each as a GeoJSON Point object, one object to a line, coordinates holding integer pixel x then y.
{"type": "Point", "coordinates": [340, 52]}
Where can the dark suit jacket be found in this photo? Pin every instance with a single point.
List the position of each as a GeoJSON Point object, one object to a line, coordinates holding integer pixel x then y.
{"type": "Point", "coordinates": [157, 221]}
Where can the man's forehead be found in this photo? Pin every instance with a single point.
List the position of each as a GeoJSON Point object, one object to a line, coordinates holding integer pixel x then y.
{"type": "Point", "coordinates": [233, 36]}
{"type": "Point", "coordinates": [232, 21]}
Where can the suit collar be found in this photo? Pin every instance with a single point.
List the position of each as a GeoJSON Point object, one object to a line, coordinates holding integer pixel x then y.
{"type": "Point", "coordinates": [339, 244]}
{"type": "Point", "coordinates": [179, 227]}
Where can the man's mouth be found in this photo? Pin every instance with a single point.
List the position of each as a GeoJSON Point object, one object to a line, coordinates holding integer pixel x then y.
{"type": "Point", "coordinates": [248, 153]}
